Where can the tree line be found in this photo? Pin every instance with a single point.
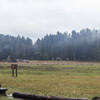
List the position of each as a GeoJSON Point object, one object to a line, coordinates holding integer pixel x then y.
{"type": "Point", "coordinates": [15, 47]}
{"type": "Point", "coordinates": [80, 46]}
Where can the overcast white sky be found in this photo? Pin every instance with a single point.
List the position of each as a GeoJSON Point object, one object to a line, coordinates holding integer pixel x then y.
{"type": "Point", "coordinates": [35, 18]}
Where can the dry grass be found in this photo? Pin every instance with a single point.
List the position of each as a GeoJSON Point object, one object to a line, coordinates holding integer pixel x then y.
{"type": "Point", "coordinates": [65, 80]}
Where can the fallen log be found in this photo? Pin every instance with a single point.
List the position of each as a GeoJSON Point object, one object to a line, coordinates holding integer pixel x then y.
{"type": "Point", "coordinates": [38, 97]}
{"type": "Point", "coordinates": [96, 98]}
{"type": "Point", "coordinates": [3, 91]}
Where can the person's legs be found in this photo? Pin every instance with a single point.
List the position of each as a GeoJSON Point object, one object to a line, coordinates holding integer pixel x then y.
{"type": "Point", "coordinates": [16, 72]}
{"type": "Point", "coordinates": [12, 72]}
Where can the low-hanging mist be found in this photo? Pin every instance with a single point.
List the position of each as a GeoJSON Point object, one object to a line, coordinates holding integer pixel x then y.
{"type": "Point", "coordinates": [83, 46]}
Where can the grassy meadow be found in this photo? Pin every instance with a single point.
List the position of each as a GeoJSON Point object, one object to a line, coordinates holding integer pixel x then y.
{"type": "Point", "coordinates": [53, 78]}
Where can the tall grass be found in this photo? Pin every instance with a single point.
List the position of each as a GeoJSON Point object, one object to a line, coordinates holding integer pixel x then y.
{"type": "Point", "coordinates": [72, 80]}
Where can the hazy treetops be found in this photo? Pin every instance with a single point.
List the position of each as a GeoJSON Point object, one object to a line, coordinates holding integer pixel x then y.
{"type": "Point", "coordinates": [83, 45]}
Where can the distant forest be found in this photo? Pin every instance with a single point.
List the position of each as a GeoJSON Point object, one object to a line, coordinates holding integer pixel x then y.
{"type": "Point", "coordinates": [15, 47]}
{"type": "Point", "coordinates": [77, 46]}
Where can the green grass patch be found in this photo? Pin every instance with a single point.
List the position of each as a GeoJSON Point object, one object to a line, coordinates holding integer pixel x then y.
{"type": "Point", "coordinates": [72, 80]}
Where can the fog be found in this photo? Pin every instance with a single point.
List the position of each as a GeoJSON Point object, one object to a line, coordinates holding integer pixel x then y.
{"type": "Point", "coordinates": [36, 18]}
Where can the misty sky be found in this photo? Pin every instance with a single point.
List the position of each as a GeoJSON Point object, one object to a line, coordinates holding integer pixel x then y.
{"type": "Point", "coordinates": [35, 18]}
